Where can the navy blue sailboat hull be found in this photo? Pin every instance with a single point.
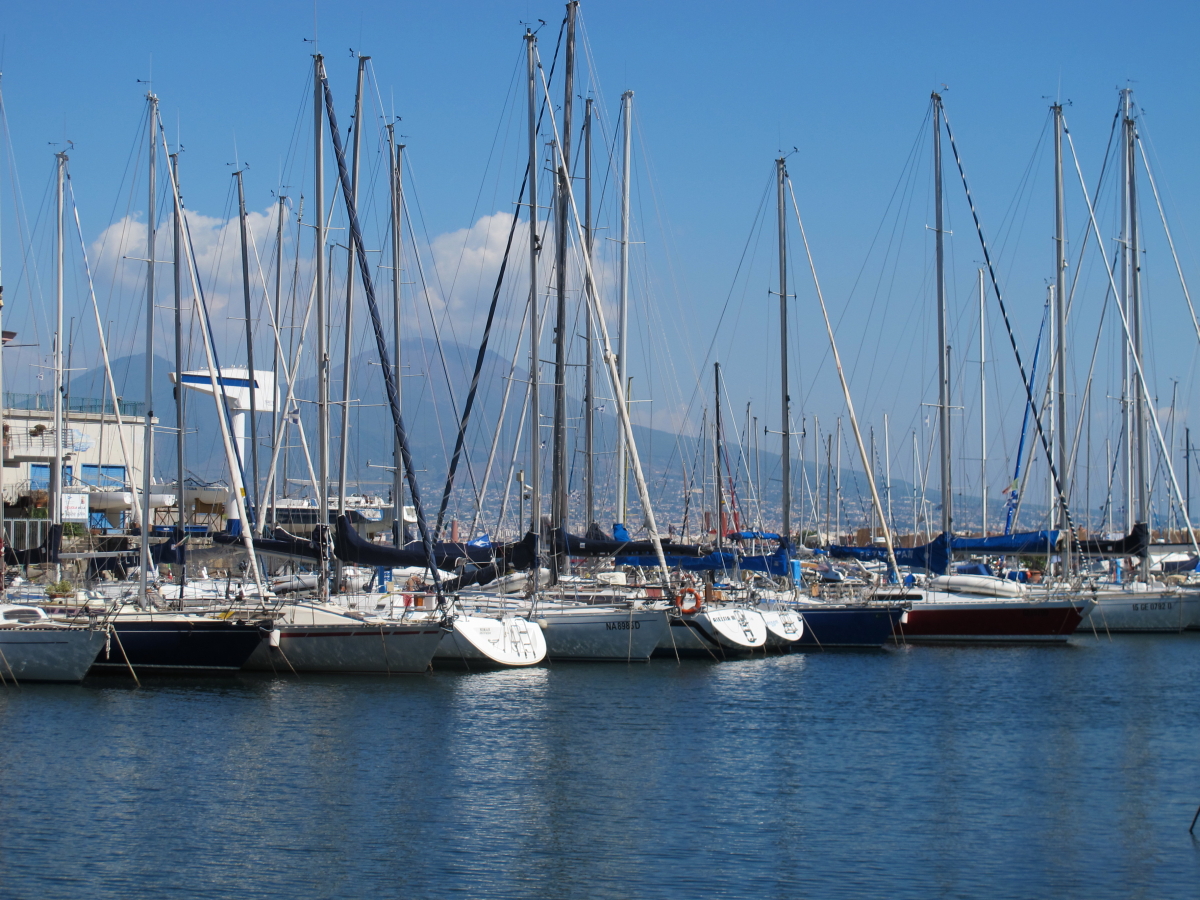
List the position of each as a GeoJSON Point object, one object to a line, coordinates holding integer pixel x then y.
{"type": "Point", "coordinates": [848, 626]}
{"type": "Point", "coordinates": [178, 646]}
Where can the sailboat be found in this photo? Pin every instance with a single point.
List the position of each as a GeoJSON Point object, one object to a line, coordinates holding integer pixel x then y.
{"type": "Point", "coordinates": [1141, 603]}
{"type": "Point", "coordinates": [825, 623]}
{"type": "Point", "coordinates": [976, 608]}
{"type": "Point", "coordinates": [33, 647]}
{"type": "Point", "coordinates": [572, 629]}
{"type": "Point", "coordinates": [145, 640]}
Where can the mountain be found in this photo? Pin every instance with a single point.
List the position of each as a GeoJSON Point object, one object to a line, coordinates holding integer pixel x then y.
{"type": "Point", "coordinates": [670, 460]}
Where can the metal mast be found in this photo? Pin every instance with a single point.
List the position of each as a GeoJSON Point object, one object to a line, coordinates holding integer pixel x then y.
{"type": "Point", "coordinates": [148, 457]}
{"type": "Point", "coordinates": [250, 373]}
{"type": "Point", "coordinates": [1060, 319]}
{"type": "Point", "coordinates": [1136, 319]}
{"type": "Point", "coordinates": [983, 483]}
{"type": "Point", "coordinates": [277, 426]}
{"type": "Point", "coordinates": [718, 446]}
{"type": "Point", "coordinates": [395, 158]}
{"type": "Point", "coordinates": [3, 532]}
{"type": "Point", "coordinates": [623, 295]}
{"type": "Point", "coordinates": [589, 387]}
{"type": "Point", "coordinates": [322, 338]}
{"type": "Point", "coordinates": [943, 349]}
{"type": "Point", "coordinates": [344, 449]}
{"type": "Point", "coordinates": [177, 260]}
{"type": "Point", "coordinates": [535, 455]}
{"type": "Point", "coordinates": [558, 490]}
{"type": "Point", "coordinates": [55, 493]}
{"type": "Point", "coordinates": [1124, 302]}
{"type": "Point", "coordinates": [785, 454]}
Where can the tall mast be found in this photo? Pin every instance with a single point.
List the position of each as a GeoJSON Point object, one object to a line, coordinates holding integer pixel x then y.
{"type": "Point", "coordinates": [1136, 319]}
{"type": "Point", "coordinates": [251, 376]}
{"type": "Point", "coordinates": [717, 449]}
{"type": "Point", "coordinates": [589, 388]}
{"type": "Point", "coordinates": [983, 483]}
{"type": "Point", "coordinates": [3, 539]}
{"type": "Point", "coordinates": [817, 477]}
{"type": "Point", "coordinates": [1124, 301]}
{"type": "Point", "coordinates": [322, 338]}
{"type": "Point", "coordinates": [277, 418]}
{"type": "Point", "coordinates": [344, 449]}
{"type": "Point", "coordinates": [745, 452]}
{"type": "Point", "coordinates": [56, 473]}
{"type": "Point", "coordinates": [558, 491]}
{"type": "Point", "coordinates": [395, 159]}
{"type": "Point", "coordinates": [943, 350]}
{"type": "Point", "coordinates": [837, 497]}
{"type": "Point", "coordinates": [623, 295]}
{"type": "Point", "coordinates": [1060, 318]}
{"type": "Point", "coordinates": [148, 443]}
{"type": "Point", "coordinates": [785, 453]}
{"type": "Point", "coordinates": [535, 455]}
{"type": "Point", "coordinates": [177, 260]}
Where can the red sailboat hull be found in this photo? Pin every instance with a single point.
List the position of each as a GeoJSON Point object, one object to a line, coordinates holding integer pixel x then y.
{"type": "Point", "coordinates": [999, 620]}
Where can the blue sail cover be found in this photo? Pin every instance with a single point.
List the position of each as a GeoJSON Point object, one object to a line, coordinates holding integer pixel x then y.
{"type": "Point", "coordinates": [934, 556]}
{"type": "Point", "coordinates": [718, 561]}
{"type": "Point", "coordinates": [777, 563]}
{"type": "Point", "coordinates": [1025, 542]}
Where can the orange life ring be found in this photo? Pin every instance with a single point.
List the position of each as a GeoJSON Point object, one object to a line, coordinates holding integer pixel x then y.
{"type": "Point", "coordinates": [688, 610]}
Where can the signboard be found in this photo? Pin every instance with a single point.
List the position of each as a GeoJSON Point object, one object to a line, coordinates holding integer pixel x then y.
{"type": "Point", "coordinates": [75, 507]}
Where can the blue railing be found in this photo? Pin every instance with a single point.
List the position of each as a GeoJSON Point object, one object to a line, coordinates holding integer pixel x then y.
{"type": "Point", "coordinates": [15, 400]}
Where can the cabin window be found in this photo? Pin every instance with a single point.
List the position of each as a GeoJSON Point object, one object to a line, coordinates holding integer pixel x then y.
{"type": "Point", "coordinates": [22, 615]}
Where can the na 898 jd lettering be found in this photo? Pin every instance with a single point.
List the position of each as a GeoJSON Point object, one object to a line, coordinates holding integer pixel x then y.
{"type": "Point", "coordinates": [623, 625]}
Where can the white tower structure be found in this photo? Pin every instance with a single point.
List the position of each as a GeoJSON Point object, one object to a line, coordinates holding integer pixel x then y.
{"type": "Point", "coordinates": [236, 386]}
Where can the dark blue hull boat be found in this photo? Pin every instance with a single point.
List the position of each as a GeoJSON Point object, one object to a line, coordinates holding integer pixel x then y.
{"type": "Point", "coordinates": [848, 626]}
{"type": "Point", "coordinates": [177, 645]}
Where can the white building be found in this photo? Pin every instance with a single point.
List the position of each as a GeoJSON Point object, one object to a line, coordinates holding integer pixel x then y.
{"type": "Point", "coordinates": [95, 464]}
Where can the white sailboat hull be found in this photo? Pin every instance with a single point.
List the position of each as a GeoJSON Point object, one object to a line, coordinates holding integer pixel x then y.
{"type": "Point", "coordinates": [716, 632]}
{"type": "Point", "coordinates": [784, 628]}
{"type": "Point", "coordinates": [1144, 611]}
{"type": "Point", "coordinates": [49, 652]}
{"type": "Point", "coordinates": [492, 641]}
{"type": "Point", "coordinates": [602, 634]}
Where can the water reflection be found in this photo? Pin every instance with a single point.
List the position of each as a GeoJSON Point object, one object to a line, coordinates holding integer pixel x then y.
{"type": "Point", "coordinates": [911, 773]}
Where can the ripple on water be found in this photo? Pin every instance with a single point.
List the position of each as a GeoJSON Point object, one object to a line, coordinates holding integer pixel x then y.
{"type": "Point", "coordinates": [920, 772]}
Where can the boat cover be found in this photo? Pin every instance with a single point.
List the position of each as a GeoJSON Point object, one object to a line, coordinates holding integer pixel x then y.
{"type": "Point", "coordinates": [351, 547]}
{"type": "Point", "coordinates": [934, 556]}
{"type": "Point", "coordinates": [46, 552]}
{"type": "Point", "coordinates": [717, 561]}
{"type": "Point", "coordinates": [777, 563]}
{"type": "Point", "coordinates": [1133, 544]}
{"type": "Point", "coordinates": [1026, 543]}
{"type": "Point", "coordinates": [1180, 566]}
{"type": "Point", "coordinates": [282, 544]}
{"type": "Point", "coordinates": [170, 552]}
{"type": "Point", "coordinates": [752, 535]}
{"type": "Point", "coordinates": [573, 545]}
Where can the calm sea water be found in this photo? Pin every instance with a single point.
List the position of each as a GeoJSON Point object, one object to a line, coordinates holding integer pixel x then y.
{"type": "Point", "coordinates": [929, 772]}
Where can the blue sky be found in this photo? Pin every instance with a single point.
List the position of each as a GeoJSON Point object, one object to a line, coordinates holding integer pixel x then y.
{"type": "Point", "coordinates": [720, 90]}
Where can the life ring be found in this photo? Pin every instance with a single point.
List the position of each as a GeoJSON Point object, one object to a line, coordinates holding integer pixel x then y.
{"type": "Point", "coordinates": [688, 610]}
